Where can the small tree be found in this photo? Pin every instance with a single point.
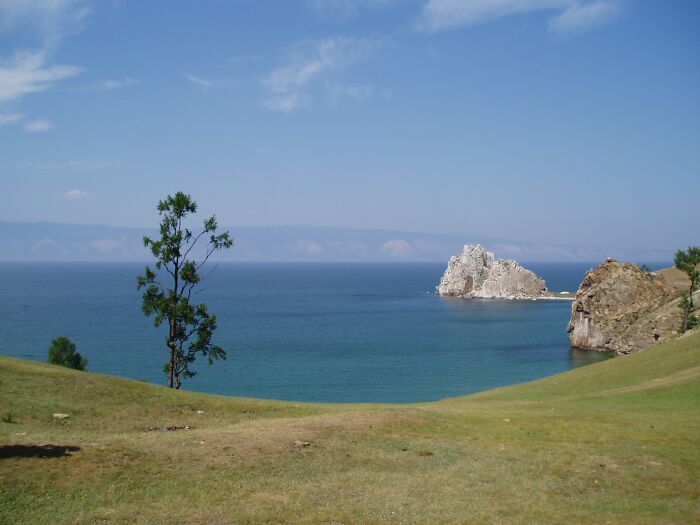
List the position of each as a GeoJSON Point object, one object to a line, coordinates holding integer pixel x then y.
{"type": "Point", "coordinates": [62, 352]}
{"type": "Point", "coordinates": [190, 326]}
{"type": "Point", "coordinates": [687, 262]}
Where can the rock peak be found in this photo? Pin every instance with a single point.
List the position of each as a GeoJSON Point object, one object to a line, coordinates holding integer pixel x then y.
{"type": "Point", "coordinates": [476, 273]}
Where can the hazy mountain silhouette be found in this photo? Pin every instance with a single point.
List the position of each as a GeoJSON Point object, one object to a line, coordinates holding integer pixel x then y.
{"type": "Point", "coordinates": [45, 241]}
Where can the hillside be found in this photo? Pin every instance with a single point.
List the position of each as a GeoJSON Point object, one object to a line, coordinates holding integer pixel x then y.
{"type": "Point", "coordinates": [675, 278]}
{"type": "Point", "coordinates": [614, 442]}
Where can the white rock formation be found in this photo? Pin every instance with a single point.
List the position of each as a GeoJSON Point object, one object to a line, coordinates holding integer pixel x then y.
{"type": "Point", "coordinates": [476, 273]}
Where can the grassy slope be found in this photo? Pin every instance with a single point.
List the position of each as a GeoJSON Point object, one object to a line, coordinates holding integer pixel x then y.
{"type": "Point", "coordinates": [614, 442]}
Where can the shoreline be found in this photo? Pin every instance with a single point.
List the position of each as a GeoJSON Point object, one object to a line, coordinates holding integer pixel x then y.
{"type": "Point", "coordinates": [559, 296]}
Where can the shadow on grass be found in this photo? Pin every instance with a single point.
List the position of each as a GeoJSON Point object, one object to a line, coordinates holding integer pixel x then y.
{"type": "Point", "coordinates": [36, 451]}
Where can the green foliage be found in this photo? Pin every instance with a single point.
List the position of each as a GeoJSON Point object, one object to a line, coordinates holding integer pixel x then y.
{"type": "Point", "coordinates": [62, 352]}
{"type": "Point", "coordinates": [688, 262]}
{"type": "Point", "coordinates": [190, 326]}
{"type": "Point", "coordinates": [690, 320]}
{"type": "Point", "coordinates": [644, 268]}
{"type": "Point", "coordinates": [7, 418]}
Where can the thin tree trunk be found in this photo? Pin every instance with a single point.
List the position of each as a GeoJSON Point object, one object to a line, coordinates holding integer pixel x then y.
{"type": "Point", "coordinates": [690, 297]}
{"type": "Point", "coordinates": [173, 320]}
{"type": "Point", "coordinates": [172, 367]}
{"type": "Point", "coordinates": [171, 346]}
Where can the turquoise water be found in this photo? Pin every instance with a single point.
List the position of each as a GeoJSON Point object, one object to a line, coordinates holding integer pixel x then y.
{"type": "Point", "coordinates": [355, 332]}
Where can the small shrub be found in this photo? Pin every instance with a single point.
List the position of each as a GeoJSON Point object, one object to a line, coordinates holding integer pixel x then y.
{"type": "Point", "coordinates": [62, 353]}
{"type": "Point", "coordinates": [691, 320]}
{"type": "Point", "coordinates": [7, 418]}
{"type": "Point", "coordinates": [689, 263]}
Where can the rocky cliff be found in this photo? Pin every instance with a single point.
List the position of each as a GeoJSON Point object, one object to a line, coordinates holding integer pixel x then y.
{"type": "Point", "coordinates": [619, 308]}
{"type": "Point", "coordinates": [476, 273]}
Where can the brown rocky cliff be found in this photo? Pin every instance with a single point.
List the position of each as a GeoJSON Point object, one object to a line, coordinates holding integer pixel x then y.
{"type": "Point", "coordinates": [619, 308]}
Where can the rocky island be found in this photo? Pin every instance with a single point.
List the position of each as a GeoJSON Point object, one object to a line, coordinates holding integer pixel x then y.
{"type": "Point", "coordinates": [476, 273]}
{"type": "Point", "coordinates": [620, 308]}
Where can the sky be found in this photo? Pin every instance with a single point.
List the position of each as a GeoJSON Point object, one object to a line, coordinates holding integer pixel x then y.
{"type": "Point", "coordinates": [558, 121]}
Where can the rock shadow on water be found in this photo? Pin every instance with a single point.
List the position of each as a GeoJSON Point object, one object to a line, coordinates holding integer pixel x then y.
{"type": "Point", "coordinates": [582, 356]}
{"type": "Point", "coordinates": [36, 451]}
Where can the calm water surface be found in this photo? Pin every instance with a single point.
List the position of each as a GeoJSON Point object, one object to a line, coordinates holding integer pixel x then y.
{"type": "Point", "coordinates": [302, 331]}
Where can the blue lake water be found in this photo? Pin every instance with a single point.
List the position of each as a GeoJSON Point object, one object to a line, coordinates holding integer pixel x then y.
{"type": "Point", "coordinates": [355, 332]}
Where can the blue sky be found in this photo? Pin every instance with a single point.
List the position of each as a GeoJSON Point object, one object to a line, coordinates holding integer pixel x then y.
{"type": "Point", "coordinates": [572, 121]}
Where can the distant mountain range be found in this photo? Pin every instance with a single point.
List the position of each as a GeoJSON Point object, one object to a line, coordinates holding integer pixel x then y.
{"type": "Point", "coordinates": [45, 241]}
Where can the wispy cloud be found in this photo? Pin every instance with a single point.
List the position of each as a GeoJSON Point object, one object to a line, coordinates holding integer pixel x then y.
{"type": "Point", "coordinates": [27, 73]}
{"type": "Point", "coordinates": [51, 20]}
{"type": "Point", "coordinates": [46, 245]}
{"type": "Point", "coordinates": [109, 84]}
{"type": "Point", "coordinates": [76, 194]}
{"type": "Point", "coordinates": [581, 17]}
{"type": "Point", "coordinates": [288, 86]}
{"type": "Point", "coordinates": [570, 15]}
{"type": "Point", "coordinates": [286, 102]}
{"type": "Point", "coordinates": [398, 248]}
{"type": "Point", "coordinates": [111, 245]}
{"type": "Point", "coordinates": [198, 81]}
{"type": "Point", "coordinates": [10, 118]}
{"type": "Point", "coordinates": [38, 125]}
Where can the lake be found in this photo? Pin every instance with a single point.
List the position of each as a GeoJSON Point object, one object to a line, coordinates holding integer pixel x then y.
{"type": "Point", "coordinates": [336, 332]}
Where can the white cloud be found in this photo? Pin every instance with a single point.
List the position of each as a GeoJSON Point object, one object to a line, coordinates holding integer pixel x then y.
{"type": "Point", "coordinates": [307, 247]}
{"type": "Point", "coordinates": [10, 118]}
{"type": "Point", "coordinates": [46, 246]}
{"type": "Point", "coordinates": [581, 17]}
{"type": "Point", "coordinates": [52, 20]}
{"type": "Point", "coordinates": [76, 194]}
{"type": "Point", "coordinates": [286, 102]}
{"type": "Point", "coordinates": [46, 22]}
{"type": "Point", "coordinates": [109, 84]}
{"type": "Point", "coordinates": [571, 15]}
{"type": "Point", "coordinates": [110, 245]}
{"type": "Point", "coordinates": [26, 73]}
{"type": "Point", "coordinates": [398, 248]}
{"type": "Point", "coordinates": [198, 81]}
{"type": "Point", "coordinates": [38, 126]}
{"type": "Point", "coordinates": [305, 63]}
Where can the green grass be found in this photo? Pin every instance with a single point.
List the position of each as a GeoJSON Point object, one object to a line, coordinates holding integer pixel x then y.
{"type": "Point", "coordinates": [613, 442]}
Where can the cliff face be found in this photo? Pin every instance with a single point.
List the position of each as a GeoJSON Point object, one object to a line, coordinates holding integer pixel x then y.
{"type": "Point", "coordinates": [476, 273]}
{"type": "Point", "coordinates": [619, 308]}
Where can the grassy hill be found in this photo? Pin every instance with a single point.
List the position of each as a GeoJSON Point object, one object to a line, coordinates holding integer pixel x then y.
{"type": "Point", "coordinates": [614, 442]}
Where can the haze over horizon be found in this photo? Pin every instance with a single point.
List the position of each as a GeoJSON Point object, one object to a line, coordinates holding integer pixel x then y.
{"type": "Point", "coordinates": [566, 122]}
{"type": "Point", "coordinates": [46, 241]}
